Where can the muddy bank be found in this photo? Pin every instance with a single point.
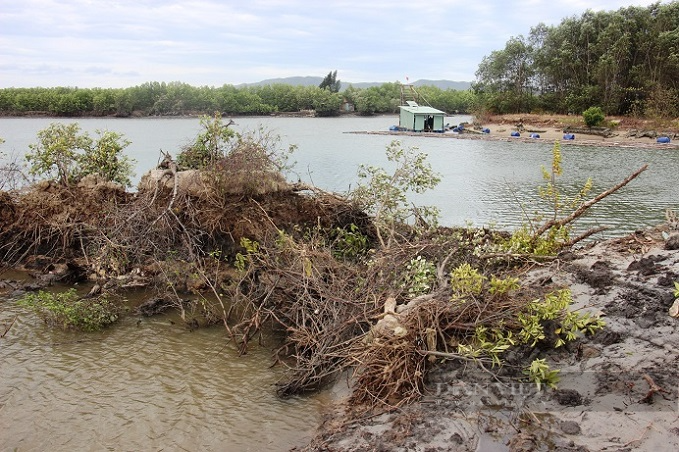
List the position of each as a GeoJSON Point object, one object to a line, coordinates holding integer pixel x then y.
{"type": "Point", "coordinates": [617, 389]}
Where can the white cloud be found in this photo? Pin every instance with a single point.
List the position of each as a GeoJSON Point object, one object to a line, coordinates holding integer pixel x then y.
{"type": "Point", "coordinates": [127, 42]}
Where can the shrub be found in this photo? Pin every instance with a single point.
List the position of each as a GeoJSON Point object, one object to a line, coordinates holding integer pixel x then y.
{"type": "Point", "coordinates": [104, 158]}
{"type": "Point", "coordinates": [67, 155]}
{"type": "Point", "coordinates": [209, 146]}
{"type": "Point", "coordinates": [593, 116]}
{"type": "Point", "coordinates": [384, 195]}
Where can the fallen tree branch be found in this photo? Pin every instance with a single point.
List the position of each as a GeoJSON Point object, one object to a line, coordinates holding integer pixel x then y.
{"type": "Point", "coordinates": [586, 205]}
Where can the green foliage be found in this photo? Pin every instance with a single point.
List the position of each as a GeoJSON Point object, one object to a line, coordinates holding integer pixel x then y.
{"type": "Point", "coordinates": [176, 98]}
{"type": "Point", "coordinates": [349, 243]}
{"type": "Point", "coordinates": [593, 116]}
{"type": "Point", "coordinates": [540, 374]}
{"type": "Point", "coordinates": [615, 59]}
{"type": "Point", "coordinates": [487, 342]}
{"type": "Point", "coordinates": [251, 248]}
{"type": "Point", "coordinates": [419, 276]}
{"type": "Point", "coordinates": [555, 307]}
{"type": "Point", "coordinates": [676, 289]}
{"type": "Point", "coordinates": [524, 242]}
{"type": "Point", "coordinates": [465, 280]}
{"type": "Point", "coordinates": [105, 159]}
{"type": "Point", "coordinates": [384, 195]}
{"type": "Point", "coordinates": [502, 286]}
{"type": "Point", "coordinates": [68, 311]}
{"type": "Point", "coordinates": [65, 154]}
{"type": "Point", "coordinates": [553, 311]}
{"type": "Point", "coordinates": [331, 83]}
{"type": "Point", "coordinates": [210, 145]}
{"type": "Point", "coordinates": [55, 154]}
{"type": "Point", "coordinates": [530, 238]}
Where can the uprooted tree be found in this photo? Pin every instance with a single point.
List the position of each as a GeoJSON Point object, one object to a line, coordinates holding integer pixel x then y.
{"type": "Point", "coordinates": [365, 281]}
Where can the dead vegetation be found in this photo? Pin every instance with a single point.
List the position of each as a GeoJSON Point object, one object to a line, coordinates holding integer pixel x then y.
{"type": "Point", "coordinates": [261, 253]}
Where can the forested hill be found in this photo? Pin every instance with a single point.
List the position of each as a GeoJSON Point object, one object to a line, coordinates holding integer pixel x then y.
{"type": "Point", "coordinates": [625, 61]}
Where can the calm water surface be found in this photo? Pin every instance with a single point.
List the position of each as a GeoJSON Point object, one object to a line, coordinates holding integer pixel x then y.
{"type": "Point", "coordinates": [484, 182]}
{"type": "Point", "coordinates": [149, 384]}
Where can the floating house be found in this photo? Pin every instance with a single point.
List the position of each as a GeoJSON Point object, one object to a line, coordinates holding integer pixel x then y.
{"type": "Point", "coordinates": [417, 118]}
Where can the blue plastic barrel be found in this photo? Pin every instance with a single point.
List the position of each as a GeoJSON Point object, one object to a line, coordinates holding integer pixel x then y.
{"type": "Point", "coordinates": [515, 134]}
{"type": "Point", "coordinates": [393, 128]}
{"type": "Point", "coordinates": [663, 139]}
{"type": "Point", "coordinates": [535, 135]}
{"type": "Point", "coordinates": [456, 129]}
{"type": "Point", "coordinates": [486, 130]}
{"type": "Point", "coordinates": [569, 136]}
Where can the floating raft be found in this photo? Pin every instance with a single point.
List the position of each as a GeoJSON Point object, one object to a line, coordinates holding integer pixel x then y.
{"type": "Point", "coordinates": [479, 136]}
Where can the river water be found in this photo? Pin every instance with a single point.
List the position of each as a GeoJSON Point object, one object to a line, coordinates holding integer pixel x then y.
{"type": "Point", "coordinates": [483, 182]}
{"type": "Point", "coordinates": [147, 384]}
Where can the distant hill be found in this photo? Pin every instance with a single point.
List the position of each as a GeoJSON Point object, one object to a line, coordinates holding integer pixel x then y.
{"type": "Point", "coordinates": [315, 81]}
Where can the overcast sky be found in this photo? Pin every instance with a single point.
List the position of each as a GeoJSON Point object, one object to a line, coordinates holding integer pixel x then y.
{"type": "Point", "coordinates": [90, 43]}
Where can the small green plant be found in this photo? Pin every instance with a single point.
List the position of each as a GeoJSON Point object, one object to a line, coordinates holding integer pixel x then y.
{"type": "Point", "coordinates": [593, 116]}
{"type": "Point", "coordinates": [555, 307]}
{"type": "Point", "coordinates": [487, 342]}
{"type": "Point", "coordinates": [465, 280]}
{"type": "Point", "coordinates": [209, 146]}
{"type": "Point", "coordinates": [419, 277]}
{"type": "Point", "coordinates": [502, 286]}
{"type": "Point", "coordinates": [349, 243]}
{"type": "Point", "coordinates": [384, 195]}
{"type": "Point", "coordinates": [540, 373]}
{"type": "Point", "coordinates": [676, 289]}
{"type": "Point", "coordinates": [251, 248]}
{"type": "Point", "coordinates": [552, 235]}
{"type": "Point", "coordinates": [67, 310]}
{"type": "Point", "coordinates": [104, 158]}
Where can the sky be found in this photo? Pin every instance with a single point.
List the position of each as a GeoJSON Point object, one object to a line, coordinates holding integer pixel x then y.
{"type": "Point", "coordinates": [123, 43]}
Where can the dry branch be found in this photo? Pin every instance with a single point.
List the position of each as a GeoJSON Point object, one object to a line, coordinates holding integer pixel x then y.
{"type": "Point", "coordinates": [586, 205]}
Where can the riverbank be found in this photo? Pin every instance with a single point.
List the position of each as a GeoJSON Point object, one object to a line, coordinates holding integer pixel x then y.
{"type": "Point", "coordinates": [617, 389]}
{"type": "Point", "coordinates": [623, 133]}
{"type": "Point", "coordinates": [621, 130]}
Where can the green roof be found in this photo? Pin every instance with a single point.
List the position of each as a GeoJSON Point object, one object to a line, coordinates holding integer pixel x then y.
{"type": "Point", "coordinates": [422, 110]}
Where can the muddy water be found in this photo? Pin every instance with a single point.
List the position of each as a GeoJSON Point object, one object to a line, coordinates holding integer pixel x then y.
{"type": "Point", "coordinates": [143, 384]}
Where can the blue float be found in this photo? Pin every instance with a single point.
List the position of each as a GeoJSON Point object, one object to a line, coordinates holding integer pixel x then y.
{"type": "Point", "coordinates": [393, 128]}
{"type": "Point", "coordinates": [663, 139]}
{"type": "Point", "coordinates": [569, 136]}
{"type": "Point", "coordinates": [535, 135]}
{"type": "Point", "coordinates": [515, 134]}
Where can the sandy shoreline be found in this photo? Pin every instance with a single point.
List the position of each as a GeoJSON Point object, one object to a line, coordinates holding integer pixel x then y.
{"type": "Point", "coordinates": [502, 132]}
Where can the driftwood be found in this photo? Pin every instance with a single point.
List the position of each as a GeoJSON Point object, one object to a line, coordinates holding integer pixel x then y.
{"type": "Point", "coordinates": [600, 131]}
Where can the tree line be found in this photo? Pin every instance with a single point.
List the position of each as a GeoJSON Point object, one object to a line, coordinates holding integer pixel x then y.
{"type": "Point", "coordinates": [625, 61]}
{"type": "Point", "coordinates": [177, 98]}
